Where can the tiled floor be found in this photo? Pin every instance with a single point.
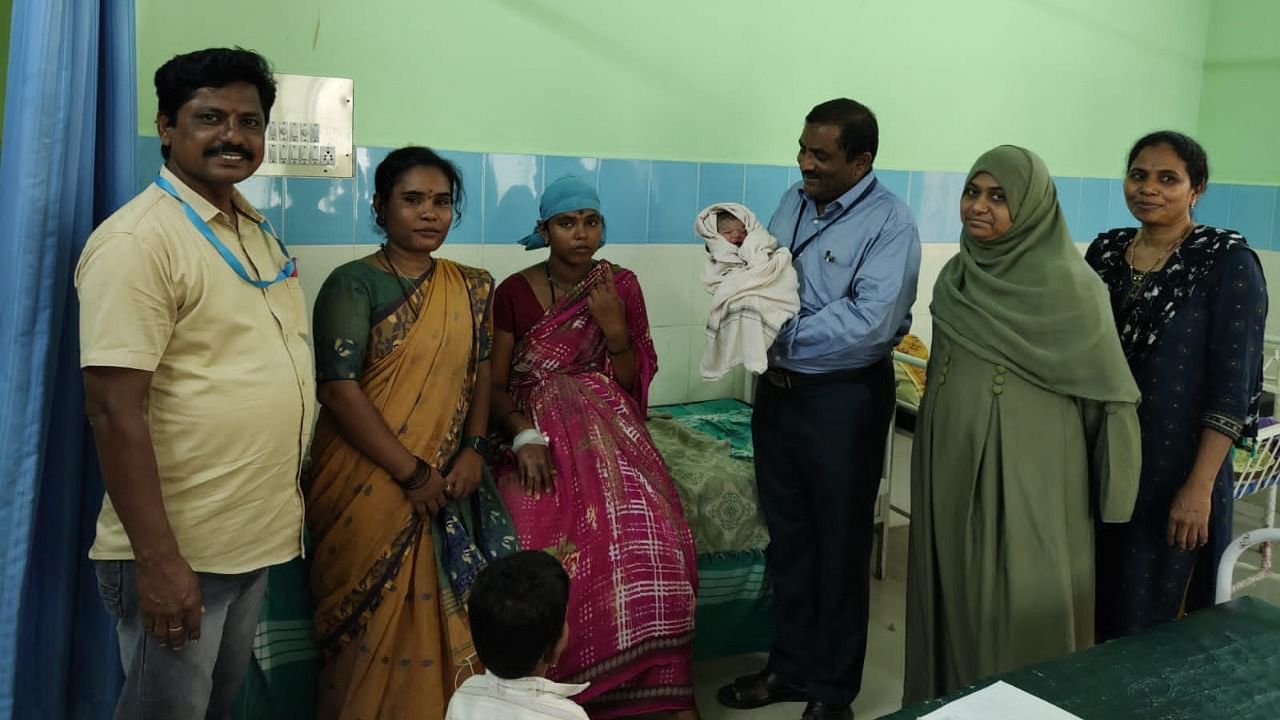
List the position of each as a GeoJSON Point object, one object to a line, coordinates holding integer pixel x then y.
{"type": "Point", "coordinates": [882, 676]}
{"type": "Point", "coordinates": [882, 679]}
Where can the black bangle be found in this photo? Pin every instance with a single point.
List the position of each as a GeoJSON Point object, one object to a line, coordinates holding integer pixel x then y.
{"type": "Point", "coordinates": [616, 353]}
{"type": "Point", "coordinates": [421, 473]}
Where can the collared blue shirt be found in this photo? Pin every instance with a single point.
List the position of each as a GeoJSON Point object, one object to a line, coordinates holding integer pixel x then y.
{"type": "Point", "coordinates": [857, 278]}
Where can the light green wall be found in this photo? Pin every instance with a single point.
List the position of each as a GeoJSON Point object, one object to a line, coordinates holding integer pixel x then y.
{"type": "Point", "coordinates": [6, 12]}
{"type": "Point", "coordinates": [1240, 103]}
{"type": "Point", "coordinates": [727, 80]}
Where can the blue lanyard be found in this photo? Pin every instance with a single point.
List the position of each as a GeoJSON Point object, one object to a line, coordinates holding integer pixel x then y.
{"type": "Point", "coordinates": [286, 272]}
{"type": "Point", "coordinates": [795, 234]}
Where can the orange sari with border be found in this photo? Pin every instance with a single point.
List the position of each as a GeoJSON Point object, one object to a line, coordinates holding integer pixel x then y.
{"type": "Point", "coordinates": [392, 632]}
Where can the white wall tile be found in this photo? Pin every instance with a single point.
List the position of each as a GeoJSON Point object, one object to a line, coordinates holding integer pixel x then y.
{"type": "Point", "coordinates": [631, 257]}
{"type": "Point", "coordinates": [315, 262]}
{"type": "Point", "coordinates": [464, 253]}
{"type": "Point", "coordinates": [505, 260]}
{"type": "Point", "coordinates": [663, 273]}
{"type": "Point", "coordinates": [699, 304]}
{"type": "Point", "coordinates": [933, 256]}
{"type": "Point", "coordinates": [699, 389]}
{"type": "Point", "coordinates": [747, 391]}
{"type": "Point", "coordinates": [627, 255]}
{"type": "Point", "coordinates": [922, 327]}
{"type": "Point", "coordinates": [672, 382]}
{"type": "Point", "coordinates": [700, 300]}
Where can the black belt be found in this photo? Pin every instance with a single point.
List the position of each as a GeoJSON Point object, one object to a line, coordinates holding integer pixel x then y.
{"type": "Point", "coordinates": [779, 377]}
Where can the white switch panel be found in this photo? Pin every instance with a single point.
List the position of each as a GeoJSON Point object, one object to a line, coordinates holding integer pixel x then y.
{"type": "Point", "coordinates": [310, 133]}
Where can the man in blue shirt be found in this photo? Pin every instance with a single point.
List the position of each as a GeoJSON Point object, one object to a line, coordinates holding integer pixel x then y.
{"type": "Point", "coordinates": [822, 410]}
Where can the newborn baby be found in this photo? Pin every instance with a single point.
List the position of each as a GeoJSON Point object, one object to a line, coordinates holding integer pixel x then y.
{"type": "Point", "coordinates": [730, 227]}
{"type": "Point", "coordinates": [753, 289]}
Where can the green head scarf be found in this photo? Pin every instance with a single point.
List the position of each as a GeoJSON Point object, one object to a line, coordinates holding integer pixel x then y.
{"type": "Point", "coordinates": [1028, 300]}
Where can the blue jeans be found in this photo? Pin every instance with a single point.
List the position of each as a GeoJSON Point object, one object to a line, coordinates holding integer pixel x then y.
{"type": "Point", "coordinates": [200, 680]}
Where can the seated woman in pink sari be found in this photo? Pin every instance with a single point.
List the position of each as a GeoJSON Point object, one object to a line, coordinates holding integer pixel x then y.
{"type": "Point", "coordinates": [572, 361]}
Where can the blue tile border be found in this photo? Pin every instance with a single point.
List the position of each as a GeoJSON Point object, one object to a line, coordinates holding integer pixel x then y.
{"type": "Point", "coordinates": [897, 181]}
{"type": "Point", "coordinates": [654, 201]}
{"type": "Point", "coordinates": [624, 198]}
{"type": "Point", "coordinates": [318, 211]}
{"type": "Point", "coordinates": [586, 169]}
{"type": "Point", "coordinates": [469, 229]}
{"type": "Point", "coordinates": [1091, 215]}
{"type": "Point", "coordinates": [1253, 209]}
{"type": "Point", "coordinates": [366, 230]}
{"type": "Point", "coordinates": [720, 183]}
{"type": "Point", "coordinates": [935, 203]}
{"type": "Point", "coordinates": [511, 191]}
{"type": "Point", "coordinates": [268, 195]}
{"type": "Point", "coordinates": [1068, 189]}
{"type": "Point", "coordinates": [764, 187]}
{"type": "Point", "coordinates": [1118, 214]}
{"type": "Point", "coordinates": [673, 202]}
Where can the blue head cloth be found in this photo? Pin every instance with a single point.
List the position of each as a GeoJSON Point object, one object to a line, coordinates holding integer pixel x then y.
{"type": "Point", "coordinates": [564, 195]}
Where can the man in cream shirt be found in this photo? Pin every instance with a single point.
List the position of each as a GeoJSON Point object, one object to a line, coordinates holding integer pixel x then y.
{"type": "Point", "coordinates": [200, 390]}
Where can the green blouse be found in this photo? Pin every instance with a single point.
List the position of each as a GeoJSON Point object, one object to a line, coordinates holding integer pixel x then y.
{"type": "Point", "coordinates": [352, 299]}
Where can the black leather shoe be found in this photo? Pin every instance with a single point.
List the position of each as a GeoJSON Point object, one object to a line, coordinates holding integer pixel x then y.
{"type": "Point", "coordinates": [763, 688]}
{"type": "Point", "coordinates": [826, 711]}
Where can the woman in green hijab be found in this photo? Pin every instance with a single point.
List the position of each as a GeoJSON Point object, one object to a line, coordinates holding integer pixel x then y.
{"type": "Point", "coordinates": [1027, 436]}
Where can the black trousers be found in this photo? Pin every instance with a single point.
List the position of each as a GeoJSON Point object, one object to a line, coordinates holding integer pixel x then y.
{"type": "Point", "coordinates": [819, 454]}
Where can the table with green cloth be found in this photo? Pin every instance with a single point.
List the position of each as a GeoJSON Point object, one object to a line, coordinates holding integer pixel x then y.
{"type": "Point", "coordinates": [707, 447]}
{"type": "Point", "coordinates": [1220, 662]}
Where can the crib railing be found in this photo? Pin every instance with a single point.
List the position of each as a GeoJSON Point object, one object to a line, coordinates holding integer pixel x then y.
{"type": "Point", "coordinates": [1271, 364]}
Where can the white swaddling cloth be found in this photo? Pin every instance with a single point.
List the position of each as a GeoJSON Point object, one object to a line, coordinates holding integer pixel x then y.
{"type": "Point", "coordinates": [753, 290]}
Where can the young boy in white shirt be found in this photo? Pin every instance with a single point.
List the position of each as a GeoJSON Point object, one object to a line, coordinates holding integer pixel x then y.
{"type": "Point", "coordinates": [517, 611]}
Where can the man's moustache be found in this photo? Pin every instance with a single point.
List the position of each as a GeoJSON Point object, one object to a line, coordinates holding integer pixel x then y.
{"type": "Point", "coordinates": [229, 149]}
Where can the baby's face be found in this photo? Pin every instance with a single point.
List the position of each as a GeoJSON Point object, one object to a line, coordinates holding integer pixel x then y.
{"type": "Point", "coordinates": [732, 229]}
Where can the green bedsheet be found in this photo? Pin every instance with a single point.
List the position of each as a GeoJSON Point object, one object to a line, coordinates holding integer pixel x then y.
{"type": "Point", "coordinates": [707, 447]}
{"type": "Point", "coordinates": [728, 420]}
{"type": "Point", "coordinates": [717, 490]}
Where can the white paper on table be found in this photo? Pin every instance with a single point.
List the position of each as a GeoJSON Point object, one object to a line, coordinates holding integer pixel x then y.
{"type": "Point", "coordinates": [999, 701]}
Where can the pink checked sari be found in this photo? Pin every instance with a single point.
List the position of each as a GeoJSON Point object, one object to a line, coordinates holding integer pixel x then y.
{"type": "Point", "coordinates": [614, 518]}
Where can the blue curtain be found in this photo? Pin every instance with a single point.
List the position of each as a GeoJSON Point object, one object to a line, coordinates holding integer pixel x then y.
{"type": "Point", "coordinates": [67, 162]}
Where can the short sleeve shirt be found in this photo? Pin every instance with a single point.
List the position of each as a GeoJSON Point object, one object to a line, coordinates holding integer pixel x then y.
{"type": "Point", "coordinates": [232, 391]}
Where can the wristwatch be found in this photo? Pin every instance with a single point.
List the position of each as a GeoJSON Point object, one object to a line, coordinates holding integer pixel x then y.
{"type": "Point", "coordinates": [479, 443]}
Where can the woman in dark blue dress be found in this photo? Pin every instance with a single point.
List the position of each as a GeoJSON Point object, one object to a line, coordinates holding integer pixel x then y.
{"type": "Point", "coordinates": [1190, 304]}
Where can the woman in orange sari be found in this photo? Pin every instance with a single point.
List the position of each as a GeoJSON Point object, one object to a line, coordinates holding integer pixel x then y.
{"type": "Point", "coordinates": [402, 344]}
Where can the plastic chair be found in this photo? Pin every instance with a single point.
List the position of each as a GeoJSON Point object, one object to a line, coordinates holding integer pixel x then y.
{"type": "Point", "coordinates": [1227, 568]}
